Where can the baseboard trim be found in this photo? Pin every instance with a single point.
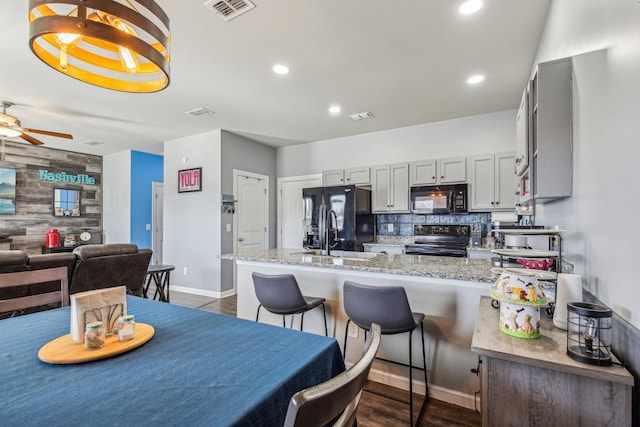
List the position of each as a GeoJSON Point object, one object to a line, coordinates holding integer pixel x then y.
{"type": "Point", "coordinates": [436, 392]}
{"type": "Point", "coordinates": [202, 292]}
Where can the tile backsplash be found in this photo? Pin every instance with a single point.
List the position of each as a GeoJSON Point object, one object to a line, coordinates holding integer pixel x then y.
{"type": "Point", "coordinates": [402, 224]}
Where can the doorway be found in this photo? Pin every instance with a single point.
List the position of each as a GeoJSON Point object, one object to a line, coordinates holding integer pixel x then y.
{"type": "Point", "coordinates": [251, 215]}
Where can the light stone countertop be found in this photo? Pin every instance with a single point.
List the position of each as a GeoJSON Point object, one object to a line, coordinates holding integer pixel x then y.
{"type": "Point", "coordinates": [473, 270]}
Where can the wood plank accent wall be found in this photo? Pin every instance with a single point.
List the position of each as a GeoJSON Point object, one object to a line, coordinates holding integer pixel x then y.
{"type": "Point", "coordinates": [34, 197]}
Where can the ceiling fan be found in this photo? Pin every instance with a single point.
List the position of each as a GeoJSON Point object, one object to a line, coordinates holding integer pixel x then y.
{"type": "Point", "coordinates": [10, 127]}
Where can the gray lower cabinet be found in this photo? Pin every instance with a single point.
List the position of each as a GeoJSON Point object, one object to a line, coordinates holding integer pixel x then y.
{"type": "Point", "coordinates": [532, 382]}
{"type": "Point", "coordinates": [492, 184]}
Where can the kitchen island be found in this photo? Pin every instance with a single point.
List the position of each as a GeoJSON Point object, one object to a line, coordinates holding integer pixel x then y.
{"type": "Point", "coordinates": [447, 290]}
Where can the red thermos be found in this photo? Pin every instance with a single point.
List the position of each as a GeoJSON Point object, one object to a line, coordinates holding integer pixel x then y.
{"type": "Point", "coordinates": [53, 238]}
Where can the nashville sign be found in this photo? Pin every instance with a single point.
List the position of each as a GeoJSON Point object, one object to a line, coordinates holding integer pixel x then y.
{"type": "Point", "coordinates": [80, 178]}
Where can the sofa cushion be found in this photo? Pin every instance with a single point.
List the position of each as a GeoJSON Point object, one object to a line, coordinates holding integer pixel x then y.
{"type": "Point", "coordinates": [106, 266]}
{"type": "Point", "coordinates": [13, 260]}
{"type": "Point", "coordinates": [63, 259]}
{"type": "Point", "coordinates": [10, 262]}
{"type": "Point", "coordinates": [92, 251]}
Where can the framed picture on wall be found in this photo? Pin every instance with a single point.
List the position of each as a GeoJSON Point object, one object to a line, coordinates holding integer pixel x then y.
{"type": "Point", "coordinates": [7, 191]}
{"type": "Point", "coordinates": [189, 180]}
{"type": "Point", "coordinates": [66, 202]}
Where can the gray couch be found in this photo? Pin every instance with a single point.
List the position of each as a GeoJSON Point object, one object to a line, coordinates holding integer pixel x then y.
{"type": "Point", "coordinates": [89, 267]}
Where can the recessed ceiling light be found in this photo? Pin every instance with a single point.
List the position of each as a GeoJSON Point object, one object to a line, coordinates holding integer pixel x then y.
{"type": "Point", "coordinates": [470, 6]}
{"type": "Point", "coordinates": [478, 78]}
{"type": "Point", "coordinates": [335, 109]}
{"type": "Point", "coordinates": [281, 69]}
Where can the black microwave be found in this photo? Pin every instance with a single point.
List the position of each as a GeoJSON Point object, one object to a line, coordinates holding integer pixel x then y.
{"type": "Point", "coordinates": [439, 199]}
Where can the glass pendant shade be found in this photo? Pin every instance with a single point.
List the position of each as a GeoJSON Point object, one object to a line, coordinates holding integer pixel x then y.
{"type": "Point", "coordinates": [120, 44]}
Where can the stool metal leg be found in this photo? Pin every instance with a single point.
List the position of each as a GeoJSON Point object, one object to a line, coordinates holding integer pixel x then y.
{"type": "Point", "coordinates": [324, 314]}
{"type": "Point", "coordinates": [258, 312]}
{"type": "Point", "coordinates": [346, 335]}
{"type": "Point", "coordinates": [410, 380]}
{"type": "Point", "coordinates": [424, 364]}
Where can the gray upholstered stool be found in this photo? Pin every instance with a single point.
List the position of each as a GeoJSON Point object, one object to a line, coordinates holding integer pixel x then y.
{"type": "Point", "coordinates": [280, 294]}
{"type": "Point", "coordinates": [387, 306]}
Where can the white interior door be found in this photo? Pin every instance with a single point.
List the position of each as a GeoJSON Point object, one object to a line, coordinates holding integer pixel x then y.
{"type": "Point", "coordinates": [252, 211]}
{"type": "Point", "coordinates": [290, 220]}
{"type": "Point", "coordinates": [157, 217]}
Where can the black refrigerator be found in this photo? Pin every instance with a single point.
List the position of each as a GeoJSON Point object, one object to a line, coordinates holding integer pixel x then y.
{"type": "Point", "coordinates": [355, 223]}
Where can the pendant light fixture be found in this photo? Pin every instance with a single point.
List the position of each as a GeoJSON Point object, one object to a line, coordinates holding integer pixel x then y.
{"type": "Point", "coordinates": [116, 44]}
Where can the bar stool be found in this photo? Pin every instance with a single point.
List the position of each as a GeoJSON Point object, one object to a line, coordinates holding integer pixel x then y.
{"type": "Point", "coordinates": [389, 307]}
{"type": "Point", "coordinates": [280, 294]}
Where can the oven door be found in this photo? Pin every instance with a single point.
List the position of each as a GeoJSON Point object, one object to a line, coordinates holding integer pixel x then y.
{"type": "Point", "coordinates": [431, 200]}
{"type": "Point", "coordinates": [432, 250]}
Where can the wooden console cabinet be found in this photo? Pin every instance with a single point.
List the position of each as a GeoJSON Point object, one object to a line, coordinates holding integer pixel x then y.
{"type": "Point", "coordinates": [532, 382]}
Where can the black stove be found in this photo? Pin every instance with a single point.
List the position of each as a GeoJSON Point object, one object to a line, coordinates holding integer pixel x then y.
{"type": "Point", "coordinates": [440, 240]}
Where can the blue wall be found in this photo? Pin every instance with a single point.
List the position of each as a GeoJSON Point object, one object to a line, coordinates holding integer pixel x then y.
{"type": "Point", "coordinates": [145, 169]}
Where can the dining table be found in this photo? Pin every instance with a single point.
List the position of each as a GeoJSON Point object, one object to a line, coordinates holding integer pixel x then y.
{"type": "Point", "coordinates": [198, 369]}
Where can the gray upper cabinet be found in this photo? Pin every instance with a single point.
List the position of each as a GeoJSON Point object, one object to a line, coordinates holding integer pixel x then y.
{"type": "Point", "coordinates": [522, 134]}
{"type": "Point", "coordinates": [551, 131]}
{"type": "Point", "coordinates": [492, 185]}
{"type": "Point", "coordinates": [390, 188]}
{"type": "Point", "coordinates": [333, 177]}
{"type": "Point", "coordinates": [355, 176]}
{"type": "Point", "coordinates": [441, 171]}
{"type": "Point", "coordinates": [452, 170]}
{"type": "Point", "coordinates": [360, 176]}
{"type": "Point", "coordinates": [424, 172]}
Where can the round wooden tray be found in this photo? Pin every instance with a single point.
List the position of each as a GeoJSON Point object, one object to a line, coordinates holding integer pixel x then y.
{"type": "Point", "coordinates": [63, 350]}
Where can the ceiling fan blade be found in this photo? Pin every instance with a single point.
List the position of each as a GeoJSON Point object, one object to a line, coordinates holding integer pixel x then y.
{"type": "Point", "coordinates": [47, 132]}
{"type": "Point", "coordinates": [31, 139]}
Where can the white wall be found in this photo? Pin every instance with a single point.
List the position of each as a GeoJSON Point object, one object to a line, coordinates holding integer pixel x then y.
{"type": "Point", "coordinates": [116, 204]}
{"type": "Point", "coordinates": [481, 134]}
{"type": "Point", "coordinates": [601, 216]}
{"type": "Point", "coordinates": [192, 220]}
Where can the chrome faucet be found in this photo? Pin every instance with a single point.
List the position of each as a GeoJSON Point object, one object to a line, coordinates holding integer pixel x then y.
{"type": "Point", "coordinates": [331, 227]}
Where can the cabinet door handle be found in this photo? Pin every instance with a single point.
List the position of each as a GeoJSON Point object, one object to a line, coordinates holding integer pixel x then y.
{"type": "Point", "coordinates": [493, 203]}
{"type": "Point", "coordinates": [497, 203]}
{"type": "Point", "coordinates": [433, 177]}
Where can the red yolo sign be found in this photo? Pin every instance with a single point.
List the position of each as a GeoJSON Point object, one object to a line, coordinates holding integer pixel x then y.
{"type": "Point", "coordinates": [190, 180]}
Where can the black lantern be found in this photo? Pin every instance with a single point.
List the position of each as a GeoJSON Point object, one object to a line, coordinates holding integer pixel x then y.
{"type": "Point", "coordinates": [588, 333]}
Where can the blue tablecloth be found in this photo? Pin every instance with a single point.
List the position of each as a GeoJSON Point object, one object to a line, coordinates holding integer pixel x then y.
{"type": "Point", "coordinates": [199, 369]}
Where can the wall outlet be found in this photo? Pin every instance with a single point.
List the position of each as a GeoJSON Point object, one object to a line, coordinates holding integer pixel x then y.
{"type": "Point", "coordinates": [229, 227]}
{"type": "Point", "coordinates": [353, 330]}
{"type": "Point", "coordinates": [147, 227]}
{"type": "Point", "coordinates": [390, 228]}
{"type": "Point", "coordinates": [184, 271]}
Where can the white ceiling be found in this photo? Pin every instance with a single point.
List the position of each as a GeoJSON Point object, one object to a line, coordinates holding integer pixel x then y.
{"type": "Point", "coordinates": [404, 61]}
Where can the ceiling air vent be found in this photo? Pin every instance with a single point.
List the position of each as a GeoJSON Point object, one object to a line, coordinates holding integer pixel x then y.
{"type": "Point", "coordinates": [360, 116]}
{"type": "Point", "coordinates": [229, 9]}
{"type": "Point", "coordinates": [199, 112]}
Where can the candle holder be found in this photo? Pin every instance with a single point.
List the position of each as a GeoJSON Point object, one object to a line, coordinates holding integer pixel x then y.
{"type": "Point", "coordinates": [589, 333]}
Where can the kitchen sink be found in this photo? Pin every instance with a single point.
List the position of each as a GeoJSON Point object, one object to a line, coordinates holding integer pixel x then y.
{"type": "Point", "coordinates": [338, 255]}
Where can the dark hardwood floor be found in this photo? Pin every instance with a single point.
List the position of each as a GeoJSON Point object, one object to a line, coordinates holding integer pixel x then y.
{"type": "Point", "coordinates": [374, 410]}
